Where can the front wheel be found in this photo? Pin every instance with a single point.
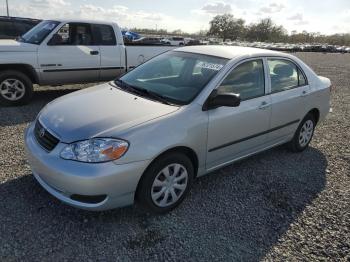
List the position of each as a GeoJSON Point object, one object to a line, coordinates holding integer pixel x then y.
{"type": "Point", "coordinates": [303, 135]}
{"type": "Point", "coordinates": [165, 183]}
{"type": "Point", "coordinates": [15, 88]}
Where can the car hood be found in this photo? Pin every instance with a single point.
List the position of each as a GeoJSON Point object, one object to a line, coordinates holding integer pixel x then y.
{"type": "Point", "coordinates": [8, 45]}
{"type": "Point", "coordinates": [100, 111]}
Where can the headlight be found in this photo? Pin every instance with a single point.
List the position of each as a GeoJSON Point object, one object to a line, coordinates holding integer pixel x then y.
{"type": "Point", "coordinates": [95, 150]}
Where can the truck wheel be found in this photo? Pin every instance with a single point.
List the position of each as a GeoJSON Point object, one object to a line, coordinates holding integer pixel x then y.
{"type": "Point", "coordinates": [15, 88]}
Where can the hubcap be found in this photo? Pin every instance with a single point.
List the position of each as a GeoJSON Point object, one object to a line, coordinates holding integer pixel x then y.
{"type": "Point", "coordinates": [12, 89]}
{"type": "Point", "coordinates": [169, 185]}
{"type": "Point", "coordinates": [306, 133]}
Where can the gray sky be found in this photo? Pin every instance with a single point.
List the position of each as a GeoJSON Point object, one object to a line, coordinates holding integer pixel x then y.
{"type": "Point", "coordinates": [323, 16]}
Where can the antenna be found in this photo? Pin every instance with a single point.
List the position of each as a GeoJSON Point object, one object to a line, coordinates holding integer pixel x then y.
{"type": "Point", "coordinates": [7, 8]}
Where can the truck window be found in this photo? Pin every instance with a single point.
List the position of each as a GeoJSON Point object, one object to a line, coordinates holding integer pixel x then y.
{"type": "Point", "coordinates": [38, 33]}
{"type": "Point", "coordinates": [75, 34]}
{"type": "Point", "coordinates": [103, 35]}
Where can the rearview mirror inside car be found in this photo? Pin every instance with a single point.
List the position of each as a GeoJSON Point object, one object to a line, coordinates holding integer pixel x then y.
{"type": "Point", "coordinates": [216, 100]}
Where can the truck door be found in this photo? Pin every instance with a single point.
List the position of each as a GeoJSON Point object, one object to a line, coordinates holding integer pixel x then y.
{"type": "Point", "coordinates": [111, 52]}
{"type": "Point", "coordinates": [70, 56]}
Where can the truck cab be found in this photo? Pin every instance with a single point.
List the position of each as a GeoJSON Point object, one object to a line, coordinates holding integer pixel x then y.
{"type": "Point", "coordinates": [58, 52]}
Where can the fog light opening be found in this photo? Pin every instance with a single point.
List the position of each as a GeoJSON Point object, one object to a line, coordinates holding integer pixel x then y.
{"type": "Point", "coordinates": [88, 199]}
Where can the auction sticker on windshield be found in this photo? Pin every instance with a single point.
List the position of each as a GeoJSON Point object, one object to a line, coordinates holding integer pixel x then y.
{"type": "Point", "coordinates": [211, 66]}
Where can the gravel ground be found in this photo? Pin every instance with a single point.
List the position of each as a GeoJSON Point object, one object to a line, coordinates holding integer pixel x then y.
{"type": "Point", "coordinates": [274, 206]}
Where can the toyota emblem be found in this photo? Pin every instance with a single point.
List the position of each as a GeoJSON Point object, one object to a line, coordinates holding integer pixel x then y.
{"type": "Point", "coordinates": [42, 132]}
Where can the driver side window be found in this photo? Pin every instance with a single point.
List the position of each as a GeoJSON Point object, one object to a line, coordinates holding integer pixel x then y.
{"type": "Point", "coordinates": [247, 80]}
{"type": "Point", "coordinates": [75, 34]}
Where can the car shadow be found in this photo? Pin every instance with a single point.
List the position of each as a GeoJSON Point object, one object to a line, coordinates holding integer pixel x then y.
{"type": "Point", "coordinates": [15, 115]}
{"type": "Point", "coordinates": [237, 213]}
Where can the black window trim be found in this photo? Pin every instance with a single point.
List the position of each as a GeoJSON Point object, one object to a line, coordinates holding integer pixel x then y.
{"type": "Point", "coordinates": [240, 62]}
{"type": "Point", "coordinates": [299, 70]}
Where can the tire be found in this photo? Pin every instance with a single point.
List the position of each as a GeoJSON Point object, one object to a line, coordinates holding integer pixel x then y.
{"type": "Point", "coordinates": [150, 195]}
{"type": "Point", "coordinates": [303, 135]}
{"type": "Point", "coordinates": [15, 88]}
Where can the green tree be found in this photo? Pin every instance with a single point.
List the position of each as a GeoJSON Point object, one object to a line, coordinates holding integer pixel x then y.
{"type": "Point", "coordinates": [266, 30]}
{"type": "Point", "coordinates": [226, 27]}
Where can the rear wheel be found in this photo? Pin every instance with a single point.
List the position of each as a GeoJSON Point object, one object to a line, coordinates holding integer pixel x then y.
{"type": "Point", "coordinates": [304, 134]}
{"type": "Point", "coordinates": [165, 183]}
{"type": "Point", "coordinates": [15, 88]}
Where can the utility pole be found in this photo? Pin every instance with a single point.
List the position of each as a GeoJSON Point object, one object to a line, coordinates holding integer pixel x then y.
{"type": "Point", "coordinates": [7, 8]}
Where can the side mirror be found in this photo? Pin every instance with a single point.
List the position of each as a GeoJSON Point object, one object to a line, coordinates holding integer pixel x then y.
{"type": "Point", "coordinates": [216, 100]}
{"type": "Point", "coordinates": [55, 40]}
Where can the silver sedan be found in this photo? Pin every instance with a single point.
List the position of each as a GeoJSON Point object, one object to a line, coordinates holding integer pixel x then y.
{"type": "Point", "coordinates": [146, 136]}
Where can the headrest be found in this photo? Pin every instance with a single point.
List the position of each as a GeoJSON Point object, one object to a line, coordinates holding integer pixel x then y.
{"type": "Point", "coordinates": [207, 71]}
{"type": "Point", "coordinates": [246, 67]}
{"type": "Point", "coordinates": [283, 70]}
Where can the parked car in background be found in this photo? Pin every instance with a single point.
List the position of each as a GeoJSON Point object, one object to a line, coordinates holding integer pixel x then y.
{"type": "Point", "coordinates": [57, 52]}
{"type": "Point", "coordinates": [130, 35]}
{"type": "Point", "coordinates": [194, 42]}
{"type": "Point", "coordinates": [176, 41]}
{"type": "Point", "coordinates": [147, 135]}
{"type": "Point", "coordinates": [13, 27]}
{"type": "Point", "coordinates": [147, 41]}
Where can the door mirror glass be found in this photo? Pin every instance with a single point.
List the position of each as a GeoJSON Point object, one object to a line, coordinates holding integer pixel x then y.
{"type": "Point", "coordinates": [216, 100]}
{"type": "Point", "coordinates": [55, 40]}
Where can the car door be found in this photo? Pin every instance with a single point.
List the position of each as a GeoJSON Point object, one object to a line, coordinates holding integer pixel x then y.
{"type": "Point", "coordinates": [71, 58]}
{"type": "Point", "coordinates": [111, 63]}
{"type": "Point", "coordinates": [239, 131]}
{"type": "Point", "coordinates": [289, 89]}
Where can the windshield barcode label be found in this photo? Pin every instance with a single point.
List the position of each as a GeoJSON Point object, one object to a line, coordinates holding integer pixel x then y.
{"type": "Point", "coordinates": [211, 66]}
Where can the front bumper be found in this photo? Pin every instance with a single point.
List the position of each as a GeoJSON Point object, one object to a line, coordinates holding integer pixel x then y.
{"type": "Point", "coordinates": [65, 178]}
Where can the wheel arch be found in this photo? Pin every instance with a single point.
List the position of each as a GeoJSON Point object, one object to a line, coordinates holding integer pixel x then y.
{"type": "Point", "coordinates": [26, 69]}
{"type": "Point", "coordinates": [316, 113]}
{"type": "Point", "coordinates": [189, 152]}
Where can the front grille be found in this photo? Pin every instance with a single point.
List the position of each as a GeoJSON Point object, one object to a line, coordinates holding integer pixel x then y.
{"type": "Point", "coordinates": [44, 138]}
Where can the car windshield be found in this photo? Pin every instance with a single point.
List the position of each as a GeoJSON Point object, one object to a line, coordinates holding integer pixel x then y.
{"type": "Point", "coordinates": [176, 77]}
{"type": "Point", "coordinates": [38, 33]}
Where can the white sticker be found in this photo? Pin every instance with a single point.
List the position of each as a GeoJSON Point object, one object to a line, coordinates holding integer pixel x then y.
{"type": "Point", "coordinates": [211, 66]}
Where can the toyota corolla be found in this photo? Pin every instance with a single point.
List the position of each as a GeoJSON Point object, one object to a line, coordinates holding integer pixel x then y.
{"type": "Point", "coordinates": [146, 136]}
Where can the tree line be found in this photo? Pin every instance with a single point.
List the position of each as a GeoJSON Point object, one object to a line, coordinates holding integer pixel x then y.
{"type": "Point", "coordinates": [228, 27]}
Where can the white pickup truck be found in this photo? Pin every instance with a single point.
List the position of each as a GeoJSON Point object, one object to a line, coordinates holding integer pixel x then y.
{"type": "Point", "coordinates": [57, 52]}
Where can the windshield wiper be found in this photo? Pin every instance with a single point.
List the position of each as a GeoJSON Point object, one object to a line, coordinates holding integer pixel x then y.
{"type": "Point", "coordinates": [142, 92]}
{"type": "Point", "coordinates": [153, 95]}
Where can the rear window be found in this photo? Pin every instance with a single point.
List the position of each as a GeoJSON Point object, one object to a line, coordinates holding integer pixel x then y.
{"type": "Point", "coordinates": [103, 35]}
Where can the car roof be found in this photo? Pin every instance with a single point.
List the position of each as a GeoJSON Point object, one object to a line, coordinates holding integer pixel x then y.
{"type": "Point", "coordinates": [229, 52]}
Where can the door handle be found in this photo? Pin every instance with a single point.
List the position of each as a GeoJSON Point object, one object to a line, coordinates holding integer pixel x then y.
{"type": "Point", "coordinates": [94, 52]}
{"type": "Point", "coordinates": [304, 93]}
{"type": "Point", "coordinates": [264, 105]}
